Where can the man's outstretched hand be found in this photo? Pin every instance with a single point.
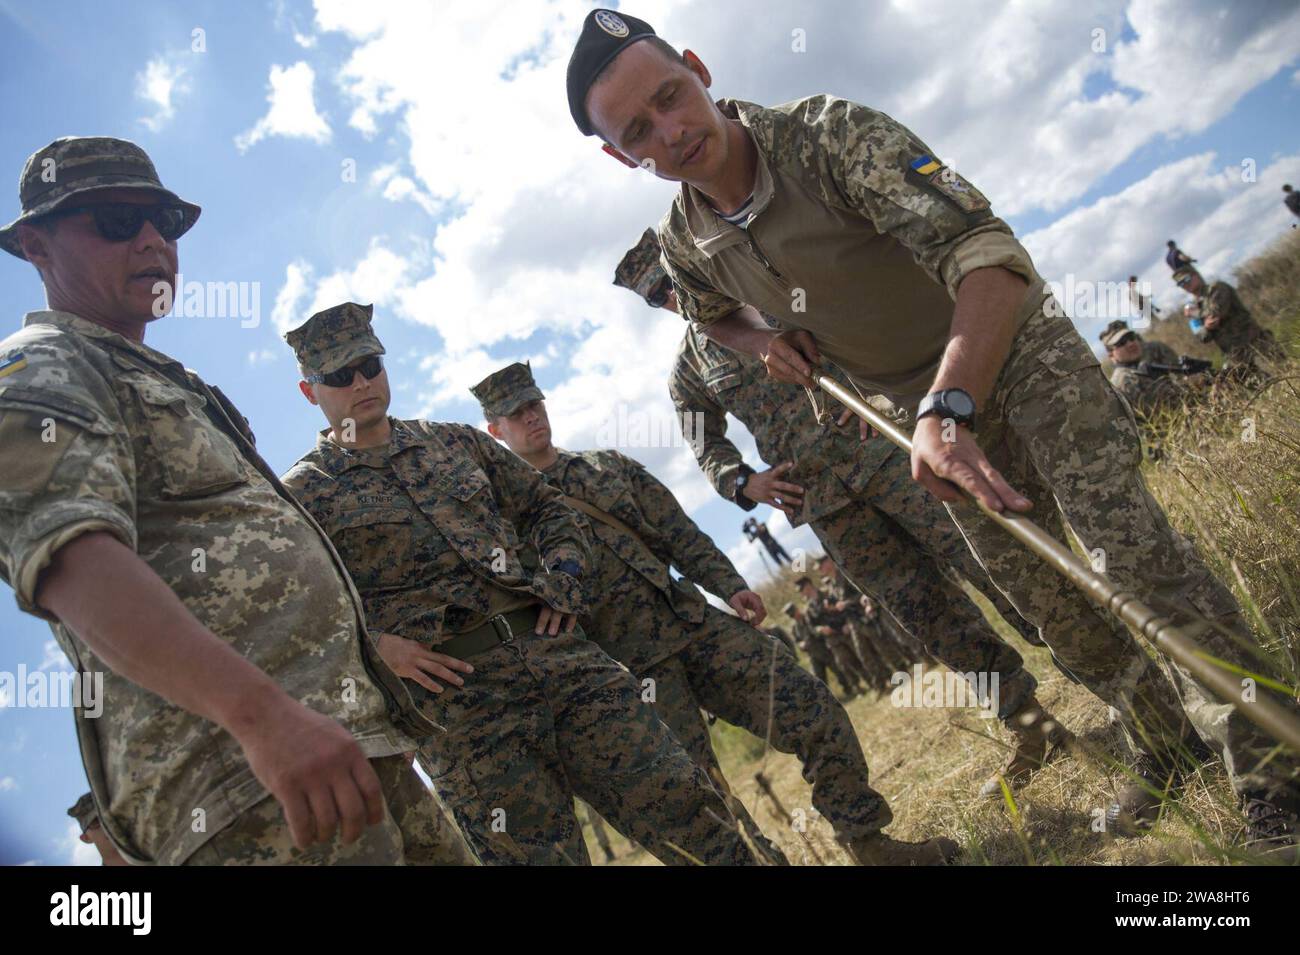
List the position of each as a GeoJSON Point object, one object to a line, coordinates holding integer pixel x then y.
{"type": "Point", "coordinates": [937, 462]}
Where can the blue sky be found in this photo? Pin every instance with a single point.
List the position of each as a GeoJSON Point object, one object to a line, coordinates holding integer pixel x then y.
{"type": "Point", "coordinates": [486, 229]}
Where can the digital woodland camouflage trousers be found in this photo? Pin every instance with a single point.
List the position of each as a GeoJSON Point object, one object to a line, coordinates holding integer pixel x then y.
{"type": "Point", "coordinates": [892, 541]}
{"type": "Point", "coordinates": [414, 831]}
{"type": "Point", "coordinates": [1061, 436]}
{"type": "Point", "coordinates": [544, 719]}
{"type": "Point", "coordinates": [750, 680]}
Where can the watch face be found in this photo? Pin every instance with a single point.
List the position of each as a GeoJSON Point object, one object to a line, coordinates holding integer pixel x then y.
{"type": "Point", "coordinates": [960, 403]}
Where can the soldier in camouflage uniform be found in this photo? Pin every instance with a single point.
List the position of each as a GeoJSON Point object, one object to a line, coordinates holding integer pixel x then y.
{"type": "Point", "coordinates": [92, 833]}
{"type": "Point", "coordinates": [1228, 324]}
{"type": "Point", "coordinates": [885, 533]}
{"type": "Point", "coordinates": [245, 717]}
{"type": "Point", "coordinates": [874, 254]}
{"type": "Point", "coordinates": [430, 520]}
{"type": "Point", "coordinates": [881, 656]}
{"type": "Point", "coordinates": [664, 631]}
{"type": "Point", "coordinates": [1148, 394]}
{"type": "Point", "coordinates": [830, 622]}
{"type": "Point", "coordinates": [811, 643]}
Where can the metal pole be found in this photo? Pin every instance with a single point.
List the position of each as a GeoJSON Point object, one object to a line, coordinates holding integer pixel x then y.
{"type": "Point", "coordinates": [1278, 722]}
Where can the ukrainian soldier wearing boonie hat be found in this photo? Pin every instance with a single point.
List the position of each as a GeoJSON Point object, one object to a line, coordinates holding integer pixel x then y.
{"type": "Point", "coordinates": [904, 265]}
{"type": "Point", "coordinates": [121, 467]}
{"type": "Point", "coordinates": [432, 520]}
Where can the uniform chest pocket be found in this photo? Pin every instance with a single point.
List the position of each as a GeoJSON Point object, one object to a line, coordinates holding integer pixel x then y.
{"type": "Point", "coordinates": [193, 456]}
{"type": "Point", "coordinates": [377, 546]}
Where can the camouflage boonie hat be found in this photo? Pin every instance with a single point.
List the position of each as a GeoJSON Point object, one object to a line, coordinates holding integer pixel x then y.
{"type": "Point", "coordinates": [641, 272]}
{"type": "Point", "coordinates": [334, 338]}
{"type": "Point", "coordinates": [84, 811]}
{"type": "Point", "coordinates": [501, 392]}
{"type": "Point", "coordinates": [1182, 273]}
{"type": "Point", "coordinates": [75, 165]}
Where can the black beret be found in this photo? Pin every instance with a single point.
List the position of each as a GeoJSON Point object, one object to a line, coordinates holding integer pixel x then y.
{"type": "Point", "coordinates": [605, 34]}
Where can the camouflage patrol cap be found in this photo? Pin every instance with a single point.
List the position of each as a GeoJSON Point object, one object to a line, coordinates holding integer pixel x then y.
{"type": "Point", "coordinates": [84, 811]}
{"type": "Point", "coordinates": [334, 338]}
{"type": "Point", "coordinates": [501, 392]}
{"type": "Point", "coordinates": [641, 272]}
{"type": "Point", "coordinates": [76, 165]}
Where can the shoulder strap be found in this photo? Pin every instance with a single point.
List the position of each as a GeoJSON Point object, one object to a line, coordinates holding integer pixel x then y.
{"type": "Point", "coordinates": [609, 520]}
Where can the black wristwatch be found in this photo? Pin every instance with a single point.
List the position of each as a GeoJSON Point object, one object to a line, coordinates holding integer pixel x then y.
{"type": "Point", "coordinates": [949, 403]}
{"type": "Point", "coordinates": [738, 487]}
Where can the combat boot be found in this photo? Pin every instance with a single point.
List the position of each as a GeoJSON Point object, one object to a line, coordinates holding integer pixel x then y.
{"type": "Point", "coordinates": [880, 849]}
{"type": "Point", "coordinates": [1136, 809]}
{"type": "Point", "coordinates": [1271, 830]}
{"type": "Point", "coordinates": [1038, 738]}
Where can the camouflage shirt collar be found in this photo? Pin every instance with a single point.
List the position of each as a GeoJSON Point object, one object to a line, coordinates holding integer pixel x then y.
{"type": "Point", "coordinates": [88, 329]}
{"type": "Point", "coordinates": [562, 461]}
{"type": "Point", "coordinates": [709, 231]}
{"type": "Point", "coordinates": [338, 459]}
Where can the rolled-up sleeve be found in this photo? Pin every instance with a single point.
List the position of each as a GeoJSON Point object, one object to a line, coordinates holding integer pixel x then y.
{"type": "Point", "coordinates": [67, 469]}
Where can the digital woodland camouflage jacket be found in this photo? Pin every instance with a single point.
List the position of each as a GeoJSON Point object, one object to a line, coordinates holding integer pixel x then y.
{"type": "Point", "coordinates": [665, 536]}
{"type": "Point", "coordinates": [432, 525]}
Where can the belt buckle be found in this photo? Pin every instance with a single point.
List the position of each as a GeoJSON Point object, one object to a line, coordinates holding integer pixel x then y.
{"type": "Point", "coordinates": [505, 633]}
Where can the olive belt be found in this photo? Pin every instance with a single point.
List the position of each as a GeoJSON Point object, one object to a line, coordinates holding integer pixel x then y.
{"type": "Point", "coordinates": [504, 628]}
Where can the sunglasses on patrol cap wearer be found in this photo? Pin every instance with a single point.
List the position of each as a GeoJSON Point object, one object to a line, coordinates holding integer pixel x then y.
{"type": "Point", "coordinates": [1125, 339]}
{"type": "Point", "coordinates": [122, 221]}
{"type": "Point", "coordinates": [370, 366]}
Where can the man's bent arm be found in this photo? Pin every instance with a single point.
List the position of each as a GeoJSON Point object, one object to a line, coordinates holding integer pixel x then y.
{"type": "Point", "coordinates": [742, 331]}
{"type": "Point", "coordinates": [983, 325]}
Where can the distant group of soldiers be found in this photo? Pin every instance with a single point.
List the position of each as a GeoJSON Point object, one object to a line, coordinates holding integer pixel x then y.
{"type": "Point", "coordinates": [277, 651]}
{"type": "Point", "coordinates": [844, 633]}
{"type": "Point", "coordinates": [1154, 379]}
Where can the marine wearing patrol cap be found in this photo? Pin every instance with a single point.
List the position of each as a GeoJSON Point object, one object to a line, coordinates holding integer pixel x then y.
{"type": "Point", "coordinates": [76, 165]}
{"type": "Point", "coordinates": [641, 272]}
{"type": "Point", "coordinates": [605, 34]}
{"type": "Point", "coordinates": [501, 392]}
{"type": "Point", "coordinates": [334, 338]}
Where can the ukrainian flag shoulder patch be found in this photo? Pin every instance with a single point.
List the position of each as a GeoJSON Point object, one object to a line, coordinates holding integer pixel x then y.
{"type": "Point", "coordinates": [924, 165]}
{"type": "Point", "coordinates": [12, 364]}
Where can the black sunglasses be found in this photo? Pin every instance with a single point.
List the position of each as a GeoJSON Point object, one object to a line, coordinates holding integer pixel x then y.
{"type": "Point", "coordinates": [122, 221]}
{"type": "Point", "coordinates": [1130, 337]}
{"type": "Point", "coordinates": [343, 377]}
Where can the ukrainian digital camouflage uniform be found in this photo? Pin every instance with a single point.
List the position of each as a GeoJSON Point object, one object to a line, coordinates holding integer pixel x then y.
{"type": "Point", "coordinates": [848, 203]}
{"type": "Point", "coordinates": [882, 529]}
{"type": "Point", "coordinates": [1242, 340]}
{"type": "Point", "coordinates": [100, 433]}
{"type": "Point", "coordinates": [431, 526]}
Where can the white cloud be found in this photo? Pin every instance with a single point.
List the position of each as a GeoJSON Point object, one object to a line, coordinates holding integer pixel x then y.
{"type": "Point", "coordinates": [159, 84]}
{"type": "Point", "coordinates": [286, 313]}
{"type": "Point", "coordinates": [1214, 216]}
{"type": "Point", "coordinates": [529, 218]}
{"type": "Point", "coordinates": [53, 657]}
{"type": "Point", "coordinates": [75, 851]}
{"type": "Point", "coordinates": [292, 111]}
{"type": "Point", "coordinates": [6, 698]}
{"type": "Point", "coordinates": [262, 356]}
{"type": "Point", "coordinates": [8, 784]}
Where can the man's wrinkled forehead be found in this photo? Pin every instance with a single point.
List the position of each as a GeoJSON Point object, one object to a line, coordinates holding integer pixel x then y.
{"type": "Point", "coordinates": [629, 86]}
